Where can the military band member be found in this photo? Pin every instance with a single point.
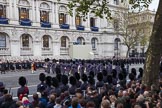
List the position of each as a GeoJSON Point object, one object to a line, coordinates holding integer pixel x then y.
{"type": "Point", "coordinates": [33, 67]}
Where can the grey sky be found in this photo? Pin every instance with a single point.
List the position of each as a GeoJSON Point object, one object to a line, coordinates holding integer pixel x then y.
{"type": "Point", "coordinates": [154, 5]}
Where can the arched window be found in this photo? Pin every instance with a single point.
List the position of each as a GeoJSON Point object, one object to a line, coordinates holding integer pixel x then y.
{"type": "Point", "coordinates": [92, 22]}
{"type": "Point", "coordinates": [80, 40]}
{"type": "Point", "coordinates": [117, 44]}
{"type": "Point", "coordinates": [63, 41]}
{"type": "Point", "coordinates": [62, 18]}
{"type": "Point", "coordinates": [2, 11]}
{"type": "Point", "coordinates": [2, 41]}
{"type": "Point", "coordinates": [46, 41]}
{"type": "Point", "coordinates": [25, 40]}
{"type": "Point", "coordinates": [44, 12]}
{"type": "Point", "coordinates": [78, 20]}
{"type": "Point", "coordinates": [62, 15]}
{"type": "Point", "coordinates": [117, 47]}
{"type": "Point", "coordinates": [94, 43]}
{"type": "Point", "coordinates": [23, 9]}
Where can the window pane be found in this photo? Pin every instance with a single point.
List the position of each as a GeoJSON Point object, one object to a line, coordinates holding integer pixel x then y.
{"type": "Point", "coordinates": [78, 20]}
{"type": "Point", "coordinates": [79, 40]}
{"type": "Point", "coordinates": [25, 41]}
{"type": "Point", "coordinates": [2, 11]}
{"type": "Point", "coordinates": [62, 18]}
{"type": "Point", "coordinates": [2, 41]}
{"type": "Point", "coordinates": [63, 42]}
{"type": "Point", "coordinates": [24, 13]}
{"type": "Point", "coordinates": [93, 43]}
{"type": "Point", "coordinates": [44, 16]}
{"type": "Point", "coordinates": [45, 41]}
{"type": "Point", "coordinates": [92, 22]}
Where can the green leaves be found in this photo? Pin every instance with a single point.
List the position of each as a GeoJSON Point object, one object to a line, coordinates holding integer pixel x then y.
{"type": "Point", "coordinates": [140, 4]}
{"type": "Point", "coordinates": [83, 7]}
{"type": "Point", "coordinates": [100, 8]}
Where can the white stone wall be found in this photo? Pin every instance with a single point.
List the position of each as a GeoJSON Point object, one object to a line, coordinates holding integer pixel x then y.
{"type": "Point", "coordinates": [105, 36]}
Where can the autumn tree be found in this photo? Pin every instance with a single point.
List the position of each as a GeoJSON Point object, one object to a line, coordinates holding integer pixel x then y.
{"type": "Point", "coordinates": [130, 29]}
{"type": "Point", "coordinates": [140, 27]}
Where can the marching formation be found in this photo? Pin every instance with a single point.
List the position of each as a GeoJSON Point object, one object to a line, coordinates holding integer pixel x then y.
{"type": "Point", "coordinates": [86, 84]}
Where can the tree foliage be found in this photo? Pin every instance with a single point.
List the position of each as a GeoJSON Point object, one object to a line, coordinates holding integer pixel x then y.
{"type": "Point", "coordinates": [130, 29]}
{"type": "Point", "coordinates": [100, 8]}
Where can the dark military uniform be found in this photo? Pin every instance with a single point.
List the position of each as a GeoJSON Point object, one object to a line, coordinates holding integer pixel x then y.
{"type": "Point", "coordinates": [3, 68]}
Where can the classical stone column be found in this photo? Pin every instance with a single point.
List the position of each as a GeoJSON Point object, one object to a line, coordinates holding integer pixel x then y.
{"type": "Point", "coordinates": [72, 21]}
{"type": "Point", "coordinates": [13, 12]}
{"type": "Point", "coordinates": [10, 13]}
{"type": "Point", "coordinates": [37, 13]}
{"type": "Point", "coordinates": [56, 11]}
{"type": "Point", "coordinates": [56, 19]}
{"type": "Point", "coordinates": [33, 11]}
{"type": "Point", "coordinates": [53, 17]}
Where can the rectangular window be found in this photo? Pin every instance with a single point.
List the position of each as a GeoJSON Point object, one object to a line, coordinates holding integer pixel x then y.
{"type": "Point", "coordinates": [25, 41]}
{"type": "Point", "coordinates": [78, 20]}
{"type": "Point", "coordinates": [92, 22]}
{"type": "Point", "coordinates": [63, 42]}
{"type": "Point", "coordinates": [46, 41]}
{"type": "Point", "coordinates": [93, 44]}
{"type": "Point", "coordinates": [3, 41]}
{"type": "Point", "coordinates": [2, 11]}
{"type": "Point", "coordinates": [23, 13]}
{"type": "Point", "coordinates": [62, 18]}
{"type": "Point", "coordinates": [44, 16]}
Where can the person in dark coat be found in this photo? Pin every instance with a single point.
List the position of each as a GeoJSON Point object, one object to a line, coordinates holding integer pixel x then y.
{"type": "Point", "coordinates": [114, 76]}
{"type": "Point", "coordinates": [51, 102]}
{"type": "Point", "coordinates": [42, 86]}
{"type": "Point", "coordinates": [2, 97]}
{"type": "Point", "coordinates": [2, 87]}
{"type": "Point", "coordinates": [73, 85]}
{"type": "Point", "coordinates": [3, 68]}
{"type": "Point", "coordinates": [100, 82]}
{"type": "Point", "coordinates": [122, 80]}
{"type": "Point", "coordinates": [9, 102]}
{"type": "Point", "coordinates": [78, 82]}
{"type": "Point", "coordinates": [36, 102]}
{"type": "Point", "coordinates": [59, 77]}
{"type": "Point", "coordinates": [56, 89]}
{"type": "Point", "coordinates": [48, 82]}
{"type": "Point", "coordinates": [64, 86]}
{"type": "Point", "coordinates": [140, 74]}
{"type": "Point", "coordinates": [91, 82]}
{"type": "Point", "coordinates": [84, 85]}
{"type": "Point", "coordinates": [104, 72]}
{"type": "Point", "coordinates": [133, 70]}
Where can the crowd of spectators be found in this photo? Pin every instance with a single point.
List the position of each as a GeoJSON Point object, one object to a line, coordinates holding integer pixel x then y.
{"type": "Point", "coordinates": [88, 90]}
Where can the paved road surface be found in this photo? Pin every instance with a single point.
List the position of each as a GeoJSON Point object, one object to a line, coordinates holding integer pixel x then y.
{"type": "Point", "coordinates": [10, 80]}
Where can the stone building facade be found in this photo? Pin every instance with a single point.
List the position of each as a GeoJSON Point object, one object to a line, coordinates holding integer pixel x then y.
{"type": "Point", "coordinates": [43, 28]}
{"type": "Point", "coordinates": [143, 21]}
